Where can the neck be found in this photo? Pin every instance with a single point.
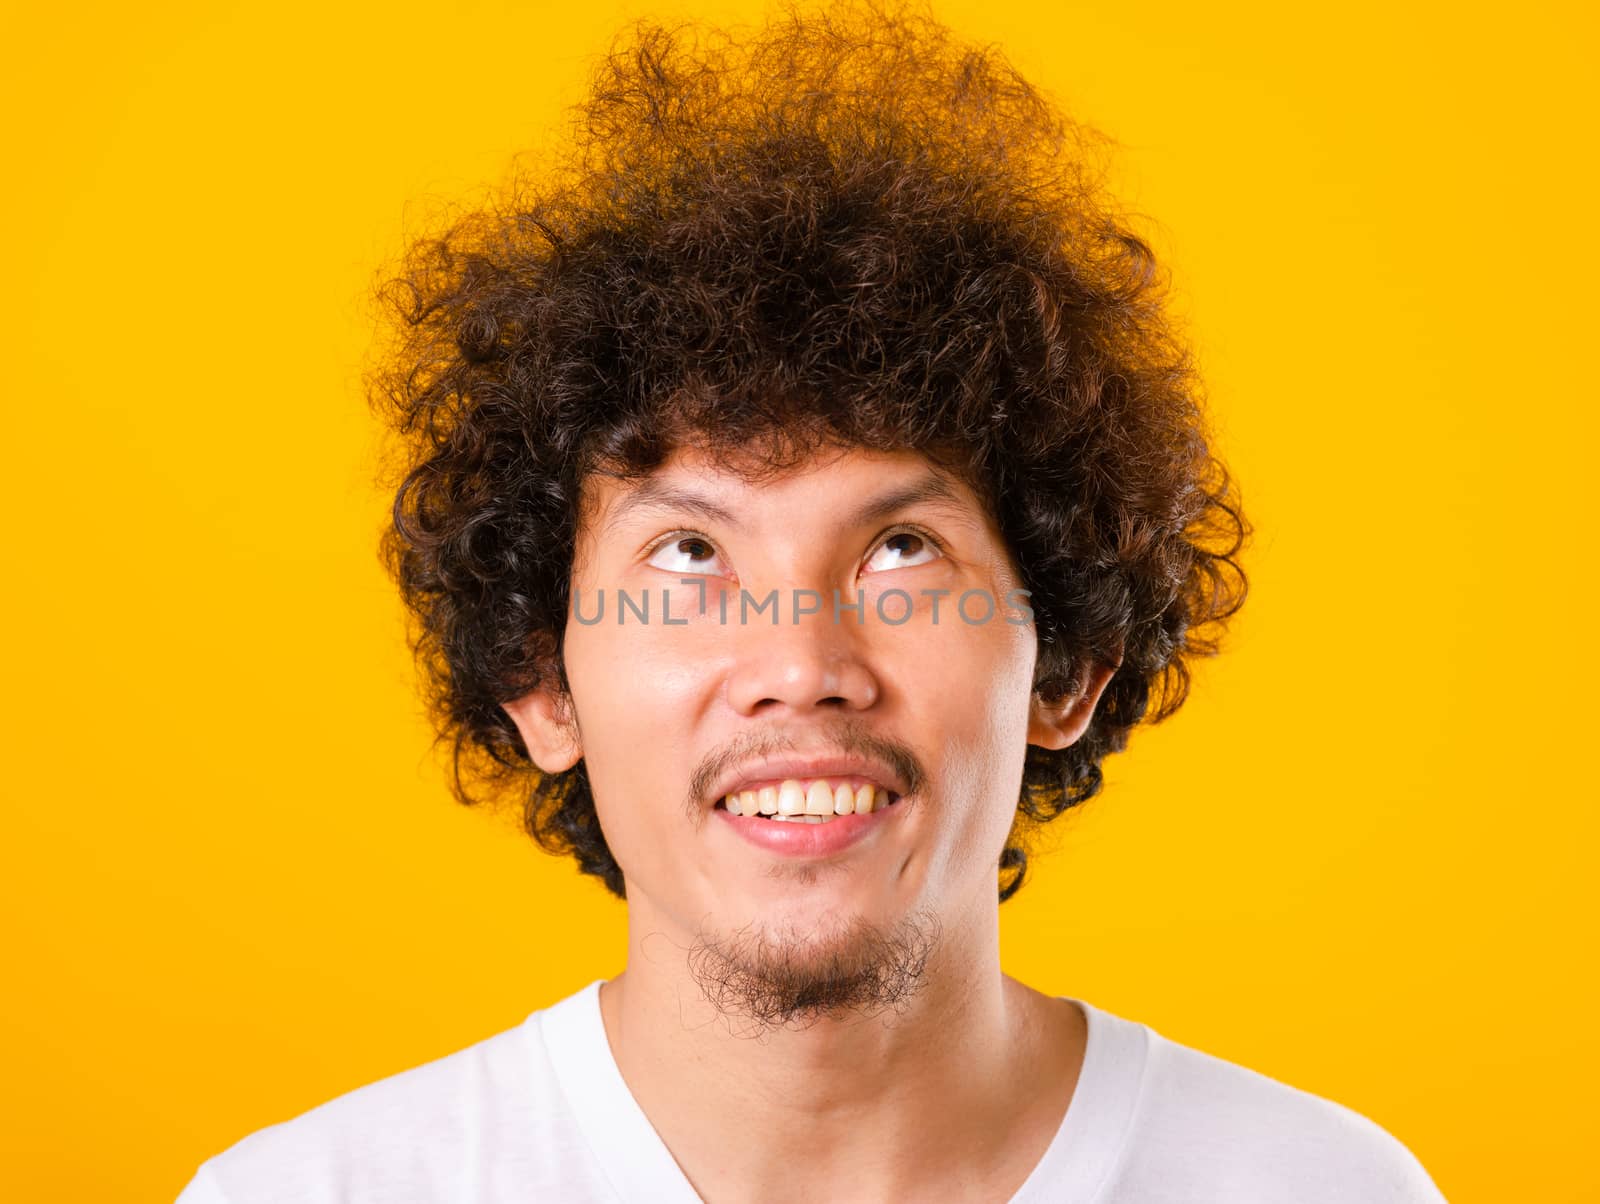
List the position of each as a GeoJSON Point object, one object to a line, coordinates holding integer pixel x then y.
{"type": "Point", "coordinates": [874, 1103]}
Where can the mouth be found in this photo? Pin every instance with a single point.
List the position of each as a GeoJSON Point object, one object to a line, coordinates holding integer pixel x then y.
{"type": "Point", "coordinates": [811, 819]}
{"type": "Point", "coordinates": [820, 800]}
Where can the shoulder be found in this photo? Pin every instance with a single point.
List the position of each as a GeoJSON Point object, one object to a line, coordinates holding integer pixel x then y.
{"type": "Point", "coordinates": [1234, 1134]}
{"type": "Point", "coordinates": [405, 1138]}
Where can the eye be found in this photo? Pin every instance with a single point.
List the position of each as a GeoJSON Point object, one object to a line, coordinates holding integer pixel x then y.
{"type": "Point", "coordinates": [908, 548]}
{"type": "Point", "coordinates": [684, 552]}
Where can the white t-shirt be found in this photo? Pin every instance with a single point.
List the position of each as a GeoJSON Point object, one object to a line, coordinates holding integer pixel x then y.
{"type": "Point", "coordinates": [540, 1112]}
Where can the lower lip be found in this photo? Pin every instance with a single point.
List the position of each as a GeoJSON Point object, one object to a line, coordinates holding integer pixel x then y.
{"type": "Point", "coordinates": [810, 840]}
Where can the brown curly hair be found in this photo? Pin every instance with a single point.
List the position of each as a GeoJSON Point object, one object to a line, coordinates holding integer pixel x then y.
{"type": "Point", "coordinates": [844, 227]}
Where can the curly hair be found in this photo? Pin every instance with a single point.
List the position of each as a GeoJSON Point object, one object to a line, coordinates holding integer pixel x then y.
{"type": "Point", "coordinates": [843, 227]}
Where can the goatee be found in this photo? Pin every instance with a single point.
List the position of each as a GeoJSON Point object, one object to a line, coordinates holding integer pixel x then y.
{"type": "Point", "coordinates": [796, 980]}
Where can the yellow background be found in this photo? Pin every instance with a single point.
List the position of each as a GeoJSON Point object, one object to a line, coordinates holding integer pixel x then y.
{"type": "Point", "coordinates": [1359, 860]}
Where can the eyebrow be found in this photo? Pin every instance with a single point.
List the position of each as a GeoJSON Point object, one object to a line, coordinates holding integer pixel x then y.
{"type": "Point", "coordinates": [929, 488]}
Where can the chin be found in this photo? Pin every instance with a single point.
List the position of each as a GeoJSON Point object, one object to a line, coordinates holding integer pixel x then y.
{"type": "Point", "coordinates": [800, 969]}
{"type": "Point", "coordinates": [818, 933]}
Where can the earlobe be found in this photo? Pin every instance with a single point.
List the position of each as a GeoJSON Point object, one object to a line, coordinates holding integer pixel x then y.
{"type": "Point", "coordinates": [1060, 724]}
{"type": "Point", "coordinates": [548, 729]}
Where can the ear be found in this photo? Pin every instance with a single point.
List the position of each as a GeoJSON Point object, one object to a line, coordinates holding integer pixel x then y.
{"type": "Point", "coordinates": [1061, 723]}
{"type": "Point", "coordinates": [549, 729]}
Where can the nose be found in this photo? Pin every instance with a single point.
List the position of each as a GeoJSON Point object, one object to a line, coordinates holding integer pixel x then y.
{"type": "Point", "coordinates": [799, 666]}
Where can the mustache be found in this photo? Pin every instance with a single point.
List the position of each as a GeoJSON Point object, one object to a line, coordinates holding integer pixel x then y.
{"type": "Point", "coordinates": [850, 737]}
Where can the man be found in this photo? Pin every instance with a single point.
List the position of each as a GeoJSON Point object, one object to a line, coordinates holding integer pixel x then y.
{"type": "Point", "coordinates": [805, 494]}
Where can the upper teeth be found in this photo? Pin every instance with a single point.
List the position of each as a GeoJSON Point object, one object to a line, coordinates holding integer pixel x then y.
{"type": "Point", "coordinates": [808, 801]}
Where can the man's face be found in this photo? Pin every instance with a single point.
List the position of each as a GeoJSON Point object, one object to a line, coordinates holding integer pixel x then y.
{"type": "Point", "coordinates": [676, 709]}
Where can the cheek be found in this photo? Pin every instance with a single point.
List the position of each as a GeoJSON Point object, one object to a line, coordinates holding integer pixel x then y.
{"type": "Point", "coordinates": [628, 678]}
{"type": "Point", "coordinates": [977, 702]}
{"type": "Point", "coordinates": [635, 700]}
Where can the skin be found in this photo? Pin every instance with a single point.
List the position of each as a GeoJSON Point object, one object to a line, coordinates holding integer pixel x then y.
{"type": "Point", "coordinates": [958, 1092]}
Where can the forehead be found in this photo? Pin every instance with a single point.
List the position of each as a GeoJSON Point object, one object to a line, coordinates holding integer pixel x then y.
{"type": "Point", "coordinates": [867, 482]}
